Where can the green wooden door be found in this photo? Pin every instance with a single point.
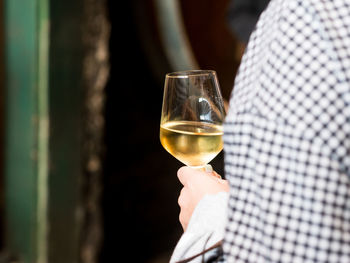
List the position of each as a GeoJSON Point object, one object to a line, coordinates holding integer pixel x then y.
{"type": "Point", "coordinates": [26, 136]}
{"type": "Point", "coordinates": [47, 90]}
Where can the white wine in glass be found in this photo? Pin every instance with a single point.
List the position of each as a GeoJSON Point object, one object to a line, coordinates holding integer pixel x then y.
{"type": "Point", "coordinates": [192, 117]}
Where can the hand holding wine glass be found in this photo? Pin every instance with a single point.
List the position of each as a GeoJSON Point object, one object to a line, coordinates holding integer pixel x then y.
{"type": "Point", "coordinates": [196, 184]}
{"type": "Point", "coordinates": [191, 130]}
{"type": "Point", "coordinates": [192, 117]}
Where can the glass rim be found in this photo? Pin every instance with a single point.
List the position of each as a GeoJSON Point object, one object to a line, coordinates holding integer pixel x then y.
{"type": "Point", "coordinates": [190, 73]}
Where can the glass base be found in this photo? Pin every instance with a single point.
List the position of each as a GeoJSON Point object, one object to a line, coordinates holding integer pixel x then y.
{"type": "Point", "coordinates": [206, 168]}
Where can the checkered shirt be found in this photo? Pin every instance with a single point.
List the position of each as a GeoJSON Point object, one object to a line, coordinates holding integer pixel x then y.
{"type": "Point", "coordinates": [287, 137]}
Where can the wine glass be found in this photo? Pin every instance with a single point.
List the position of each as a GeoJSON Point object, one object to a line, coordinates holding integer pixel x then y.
{"type": "Point", "coordinates": [192, 117]}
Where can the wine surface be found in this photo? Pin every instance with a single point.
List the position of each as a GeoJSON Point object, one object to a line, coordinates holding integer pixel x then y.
{"type": "Point", "coordinates": [192, 143]}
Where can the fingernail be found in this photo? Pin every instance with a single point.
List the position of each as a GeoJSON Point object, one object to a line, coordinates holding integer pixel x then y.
{"type": "Point", "coordinates": [208, 168]}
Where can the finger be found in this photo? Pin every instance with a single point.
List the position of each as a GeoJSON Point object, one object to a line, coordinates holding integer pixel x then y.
{"type": "Point", "coordinates": [215, 174]}
{"type": "Point", "coordinates": [183, 215]}
{"type": "Point", "coordinates": [184, 174]}
{"type": "Point", "coordinates": [182, 219]}
{"type": "Point", "coordinates": [225, 184]}
{"type": "Point", "coordinates": [181, 197]}
{"type": "Point", "coordinates": [212, 175]}
{"type": "Point", "coordinates": [188, 175]}
{"type": "Point", "coordinates": [209, 169]}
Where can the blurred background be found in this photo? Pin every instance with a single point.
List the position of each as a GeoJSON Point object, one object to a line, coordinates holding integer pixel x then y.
{"type": "Point", "coordinates": [83, 175]}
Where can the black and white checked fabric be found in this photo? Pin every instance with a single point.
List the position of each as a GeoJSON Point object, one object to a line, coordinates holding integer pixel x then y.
{"type": "Point", "coordinates": [287, 137]}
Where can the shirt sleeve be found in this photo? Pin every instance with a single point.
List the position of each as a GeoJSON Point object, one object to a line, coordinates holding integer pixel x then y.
{"type": "Point", "coordinates": [287, 138]}
{"type": "Point", "coordinates": [206, 228]}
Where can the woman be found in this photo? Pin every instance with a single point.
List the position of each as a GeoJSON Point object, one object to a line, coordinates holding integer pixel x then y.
{"type": "Point", "coordinates": [287, 147]}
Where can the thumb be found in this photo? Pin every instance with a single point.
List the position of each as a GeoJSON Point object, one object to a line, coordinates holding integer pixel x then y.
{"type": "Point", "coordinates": [183, 174]}
{"type": "Point", "coordinates": [187, 175]}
